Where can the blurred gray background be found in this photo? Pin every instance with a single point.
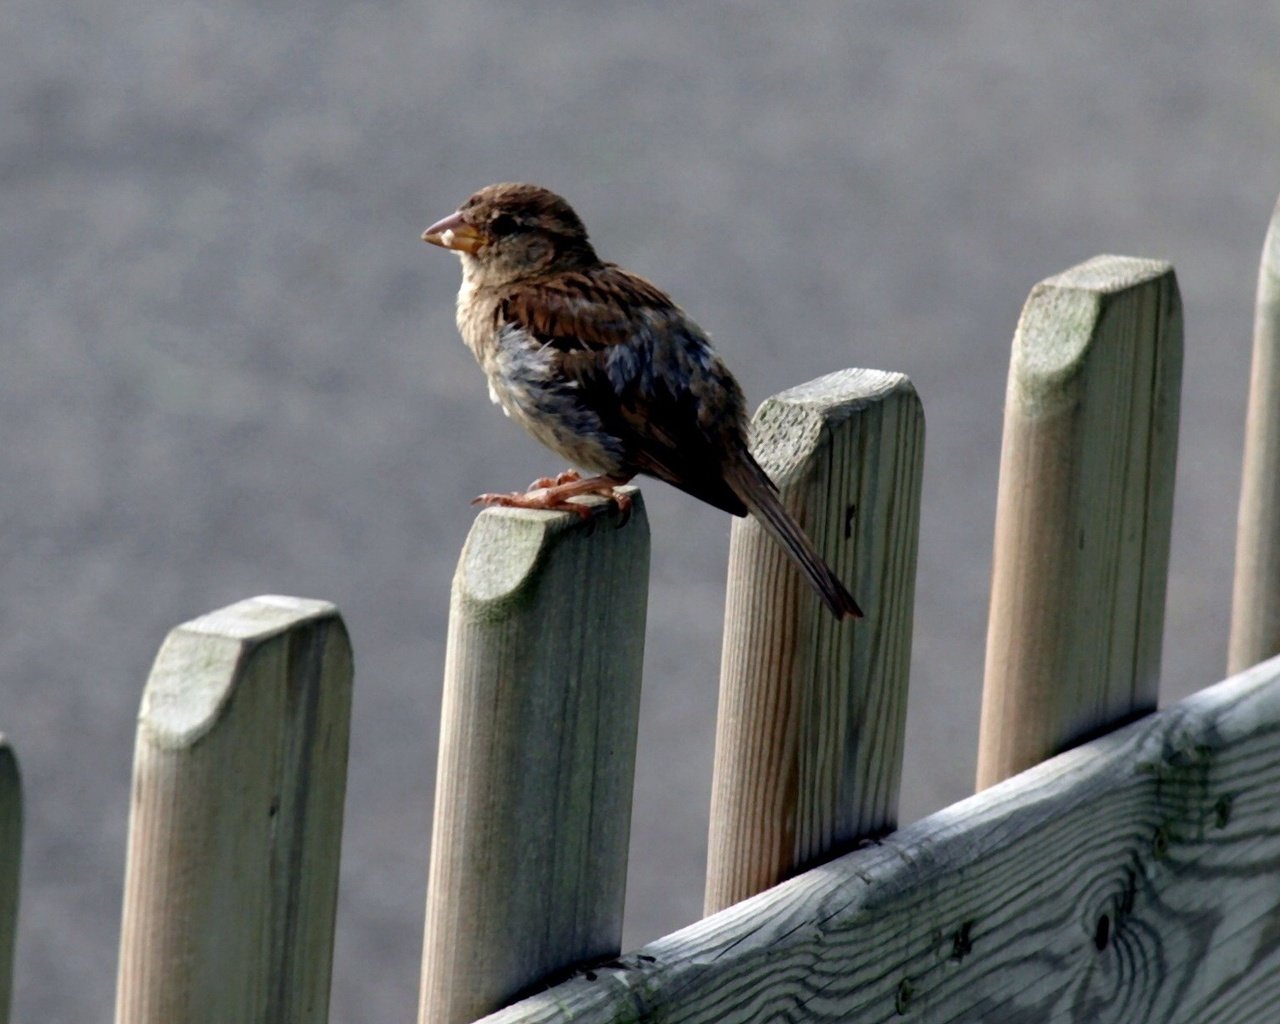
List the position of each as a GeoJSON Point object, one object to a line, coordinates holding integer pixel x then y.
{"type": "Point", "coordinates": [230, 366]}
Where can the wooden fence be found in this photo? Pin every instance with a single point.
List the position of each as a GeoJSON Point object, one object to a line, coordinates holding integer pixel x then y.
{"type": "Point", "coordinates": [1119, 864]}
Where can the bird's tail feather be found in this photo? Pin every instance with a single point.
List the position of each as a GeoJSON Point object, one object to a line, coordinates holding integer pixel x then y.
{"type": "Point", "coordinates": [750, 483]}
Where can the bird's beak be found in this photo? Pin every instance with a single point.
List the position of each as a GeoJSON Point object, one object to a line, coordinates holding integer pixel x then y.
{"type": "Point", "coordinates": [453, 233]}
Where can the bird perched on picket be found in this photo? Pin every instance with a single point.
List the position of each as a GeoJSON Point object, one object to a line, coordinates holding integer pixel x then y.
{"type": "Point", "coordinates": [605, 370]}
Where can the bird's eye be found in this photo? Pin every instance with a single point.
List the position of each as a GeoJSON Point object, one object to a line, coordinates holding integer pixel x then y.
{"type": "Point", "coordinates": [503, 224]}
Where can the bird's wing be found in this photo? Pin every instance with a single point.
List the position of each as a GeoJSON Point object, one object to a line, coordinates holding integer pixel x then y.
{"type": "Point", "coordinates": [643, 367]}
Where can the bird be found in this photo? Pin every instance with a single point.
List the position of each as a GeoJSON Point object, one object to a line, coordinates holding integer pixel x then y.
{"type": "Point", "coordinates": [603, 368]}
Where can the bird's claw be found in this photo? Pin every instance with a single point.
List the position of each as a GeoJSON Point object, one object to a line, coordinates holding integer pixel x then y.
{"type": "Point", "coordinates": [554, 494]}
{"type": "Point", "coordinates": [569, 476]}
{"type": "Point", "coordinates": [623, 503]}
{"type": "Point", "coordinates": [541, 498]}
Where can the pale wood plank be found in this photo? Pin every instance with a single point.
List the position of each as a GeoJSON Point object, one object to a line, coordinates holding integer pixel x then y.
{"type": "Point", "coordinates": [809, 736]}
{"type": "Point", "coordinates": [1132, 880]}
{"type": "Point", "coordinates": [537, 754]}
{"type": "Point", "coordinates": [1083, 511]}
{"type": "Point", "coordinates": [239, 775]}
{"type": "Point", "coordinates": [10, 861]}
{"type": "Point", "coordinates": [1255, 608]}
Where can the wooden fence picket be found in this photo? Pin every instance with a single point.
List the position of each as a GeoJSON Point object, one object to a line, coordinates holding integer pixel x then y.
{"type": "Point", "coordinates": [812, 711]}
{"type": "Point", "coordinates": [1255, 605]}
{"type": "Point", "coordinates": [1083, 512]}
{"type": "Point", "coordinates": [537, 754]}
{"type": "Point", "coordinates": [10, 861]}
{"type": "Point", "coordinates": [239, 774]}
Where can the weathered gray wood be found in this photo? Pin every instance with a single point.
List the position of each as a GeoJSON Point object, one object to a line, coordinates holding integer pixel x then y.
{"type": "Point", "coordinates": [10, 860]}
{"type": "Point", "coordinates": [1083, 511]}
{"type": "Point", "coordinates": [1132, 880]}
{"type": "Point", "coordinates": [1255, 608]}
{"type": "Point", "coordinates": [537, 754]}
{"type": "Point", "coordinates": [239, 775]}
{"type": "Point", "coordinates": [809, 736]}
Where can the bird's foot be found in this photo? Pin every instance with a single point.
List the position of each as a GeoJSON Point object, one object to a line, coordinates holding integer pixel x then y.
{"type": "Point", "coordinates": [540, 498]}
{"type": "Point", "coordinates": [569, 476]}
{"type": "Point", "coordinates": [556, 495]}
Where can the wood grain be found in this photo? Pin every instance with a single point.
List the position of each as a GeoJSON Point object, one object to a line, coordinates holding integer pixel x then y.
{"type": "Point", "coordinates": [1255, 607]}
{"type": "Point", "coordinates": [239, 775]}
{"type": "Point", "coordinates": [809, 734]}
{"type": "Point", "coordinates": [10, 861]}
{"type": "Point", "coordinates": [537, 754]}
{"type": "Point", "coordinates": [1083, 511]}
{"type": "Point", "coordinates": [1132, 880]}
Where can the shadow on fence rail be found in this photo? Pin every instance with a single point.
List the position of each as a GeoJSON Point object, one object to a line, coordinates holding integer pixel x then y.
{"type": "Point", "coordinates": [1132, 877]}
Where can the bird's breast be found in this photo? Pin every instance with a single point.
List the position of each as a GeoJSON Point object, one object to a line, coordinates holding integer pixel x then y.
{"type": "Point", "coordinates": [525, 378]}
{"type": "Point", "coordinates": [474, 314]}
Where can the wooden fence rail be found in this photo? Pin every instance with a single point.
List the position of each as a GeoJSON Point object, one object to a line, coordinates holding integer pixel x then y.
{"type": "Point", "coordinates": [1133, 877]}
{"type": "Point", "coordinates": [1132, 880]}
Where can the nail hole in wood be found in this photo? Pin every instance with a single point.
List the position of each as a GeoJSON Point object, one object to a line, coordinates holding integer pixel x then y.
{"type": "Point", "coordinates": [1102, 933]}
{"type": "Point", "coordinates": [962, 942]}
{"type": "Point", "coordinates": [902, 1001]}
{"type": "Point", "coordinates": [1222, 811]}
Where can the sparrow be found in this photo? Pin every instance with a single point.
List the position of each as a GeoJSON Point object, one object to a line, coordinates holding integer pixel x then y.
{"type": "Point", "coordinates": [605, 369]}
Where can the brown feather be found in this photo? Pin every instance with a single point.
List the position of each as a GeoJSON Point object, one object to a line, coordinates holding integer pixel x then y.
{"type": "Point", "coordinates": [759, 494]}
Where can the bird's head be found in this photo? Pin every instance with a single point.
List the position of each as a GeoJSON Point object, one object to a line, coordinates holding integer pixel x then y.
{"type": "Point", "coordinates": [511, 231]}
